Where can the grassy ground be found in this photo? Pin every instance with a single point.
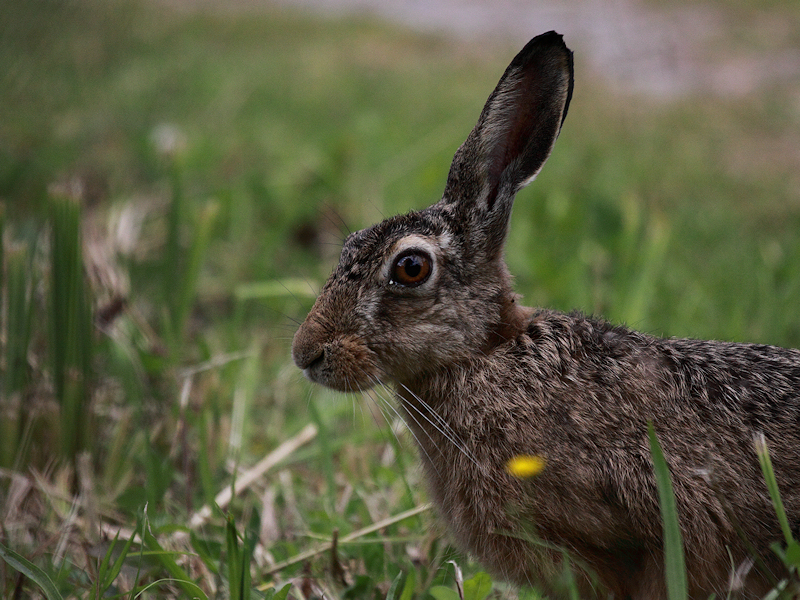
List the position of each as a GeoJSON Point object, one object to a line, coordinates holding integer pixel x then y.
{"type": "Point", "coordinates": [214, 162]}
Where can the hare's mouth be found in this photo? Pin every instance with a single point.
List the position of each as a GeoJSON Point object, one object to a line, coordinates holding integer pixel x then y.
{"type": "Point", "coordinates": [344, 364]}
{"type": "Point", "coordinates": [339, 380]}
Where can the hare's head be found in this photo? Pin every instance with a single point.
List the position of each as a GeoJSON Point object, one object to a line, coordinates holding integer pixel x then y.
{"type": "Point", "coordinates": [429, 289]}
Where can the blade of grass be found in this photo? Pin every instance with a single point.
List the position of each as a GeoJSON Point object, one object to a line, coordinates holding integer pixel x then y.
{"type": "Point", "coordinates": [239, 556]}
{"type": "Point", "coordinates": [641, 288]}
{"type": "Point", "coordinates": [31, 571]}
{"type": "Point", "coordinates": [19, 314]}
{"type": "Point", "coordinates": [772, 485]}
{"type": "Point", "coordinates": [172, 268]}
{"type": "Point", "coordinates": [281, 594]}
{"type": "Point", "coordinates": [70, 327]}
{"type": "Point", "coordinates": [234, 560]}
{"type": "Point", "coordinates": [2, 256]}
{"type": "Point", "coordinates": [251, 534]}
{"type": "Point", "coordinates": [408, 587]}
{"type": "Point", "coordinates": [242, 398]}
{"type": "Point", "coordinates": [677, 586]}
{"type": "Point", "coordinates": [168, 563]}
{"type": "Point", "coordinates": [106, 576]}
{"type": "Point", "coordinates": [570, 584]}
{"type": "Point", "coordinates": [327, 453]}
{"type": "Point", "coordinates": [394, 588]}
{"type": "Point", "coordinates": [181, 270]}
{"type": "Point", "coordinates": [203, 549]}
{"type": "Point", "coordinates": [191, 589]}
{"type": "Point", "coordinates": [102, 570]}
{"type": "Point", "coordinates": [201, 237]}
{"type": "Point", "coordinates": [207, 481]}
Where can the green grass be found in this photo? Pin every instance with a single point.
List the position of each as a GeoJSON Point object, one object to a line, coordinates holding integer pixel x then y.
{"type": "Point", "coordinates": [674, 565]}
{"type": "Point", "coordinates": [215, 162]}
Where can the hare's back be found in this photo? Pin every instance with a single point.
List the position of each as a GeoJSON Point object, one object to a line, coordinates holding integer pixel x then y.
{"type": "Point", "coordinates": [760, 383]}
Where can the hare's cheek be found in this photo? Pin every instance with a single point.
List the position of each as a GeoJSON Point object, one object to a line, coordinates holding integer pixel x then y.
{"type": "Point", "coordinates": [346, 365]}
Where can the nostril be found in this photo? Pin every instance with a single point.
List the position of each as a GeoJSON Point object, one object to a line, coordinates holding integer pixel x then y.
{"type": "Point", "coordinates": [306, 347]}
{"type": "Point", "coordinates": [305, 355]}
{"type": "Point", "coordinates": [309, 359]}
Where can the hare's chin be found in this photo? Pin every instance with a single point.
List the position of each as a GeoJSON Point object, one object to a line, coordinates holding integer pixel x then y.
{"type": "Point", "coordinates": [340, 384]}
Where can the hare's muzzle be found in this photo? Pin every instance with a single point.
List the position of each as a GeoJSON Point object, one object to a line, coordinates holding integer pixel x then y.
{"type": "Point", "coordinates": [336, 360]}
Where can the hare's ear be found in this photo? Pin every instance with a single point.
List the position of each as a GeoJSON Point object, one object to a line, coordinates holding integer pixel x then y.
{"type": "Point", "coordinates": [513, 138]}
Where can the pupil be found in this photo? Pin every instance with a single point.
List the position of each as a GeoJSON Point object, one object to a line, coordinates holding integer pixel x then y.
{"type": "Point", "coordinates": [413, 266]}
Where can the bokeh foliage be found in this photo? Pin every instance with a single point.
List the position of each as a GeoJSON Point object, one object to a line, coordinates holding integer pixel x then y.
{"type": "Point", "coordinates": [209, 164]}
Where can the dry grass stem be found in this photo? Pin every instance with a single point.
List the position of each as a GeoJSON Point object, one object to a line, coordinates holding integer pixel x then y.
{"type": "Point", "coordinates": [247, 478]}
{"type": "Point", "coordinates": [348, 538]}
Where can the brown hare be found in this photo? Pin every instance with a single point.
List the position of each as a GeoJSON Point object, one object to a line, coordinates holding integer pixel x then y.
{"type": "Point", "coordinates": [424, 302]}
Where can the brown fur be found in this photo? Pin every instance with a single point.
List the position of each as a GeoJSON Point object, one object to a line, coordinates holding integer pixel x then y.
{"type": "Point", "coordinates": [482, 380]}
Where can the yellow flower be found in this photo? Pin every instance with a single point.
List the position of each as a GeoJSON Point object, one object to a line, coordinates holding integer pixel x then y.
{"type": "Point", "coordinates": [524, 466]}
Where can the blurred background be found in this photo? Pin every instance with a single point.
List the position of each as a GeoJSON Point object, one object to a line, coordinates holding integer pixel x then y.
{"type": "Point", "coordinates": [176, 179]}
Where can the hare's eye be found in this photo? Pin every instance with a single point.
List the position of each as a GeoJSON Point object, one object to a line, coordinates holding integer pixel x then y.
{"type": "Point", "coordinates": [411, 269]}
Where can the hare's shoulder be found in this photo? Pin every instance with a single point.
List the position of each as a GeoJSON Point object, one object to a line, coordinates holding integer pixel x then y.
{"type": "Point", "coordinates": [581, 345]}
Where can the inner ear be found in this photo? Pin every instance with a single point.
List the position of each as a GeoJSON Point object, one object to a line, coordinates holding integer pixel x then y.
{"type": "Point", "coordinates": [522, 118]}
{"type": "Point", "coordinates": [514, 135]}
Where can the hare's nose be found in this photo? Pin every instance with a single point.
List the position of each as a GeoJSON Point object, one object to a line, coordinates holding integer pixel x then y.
{"type": "Point", "coordinates": [305, 357]}
{"type": "Point", "coordinates": [307, 345]}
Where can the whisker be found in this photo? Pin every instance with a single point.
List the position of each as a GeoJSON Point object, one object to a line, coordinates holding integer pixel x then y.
{"type": "Point", "coordinates": [385, 408]}
{"type": "Point", "coordinates": [440, 424]}
{"type": "Point", "coordinates": [331, 210]}
{"type": "Point", "coordinates": [377, 208]}
{"type": "Point", "coordinates": [381, 401]}
{"type": "Point", "coordinates": [391, 406]}
{"type": "Point", "coordinates": [294, 297]}
{"type": "Point", "coordinates": [314, 292]}
{"type": "Point", "coordinates": [280, 312]}
{"type": "Point", "coordinates": [337, 244]}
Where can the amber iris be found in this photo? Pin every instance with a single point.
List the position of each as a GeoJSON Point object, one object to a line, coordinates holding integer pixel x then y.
{"type": "Point", "coordinates": [411, 269]}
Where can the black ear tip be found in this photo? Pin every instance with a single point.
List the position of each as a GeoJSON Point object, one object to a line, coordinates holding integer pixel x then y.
{"type": "Point", "coordinates": [550, 37]}
{"type": "Point", "coordinates": [546, 48]}
{"type": "Point", "coordinates": [550, 47]}
{"type": "Point", "coordinates": [549, 40]}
